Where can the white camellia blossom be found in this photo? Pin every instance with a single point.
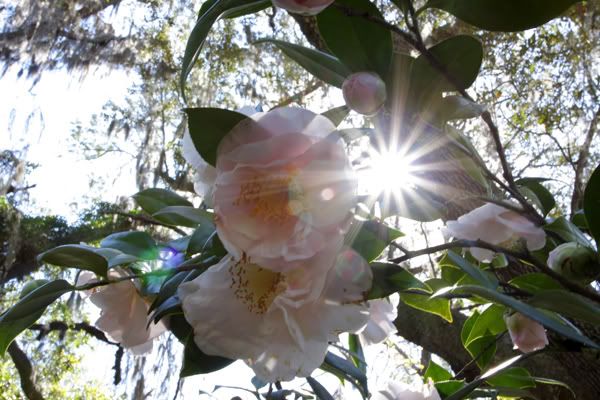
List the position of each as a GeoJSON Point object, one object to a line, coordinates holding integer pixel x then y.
{"type": "Point", "coordinates": [279, 323]}
{"type": "Point", "coordinates": [382, 314]}
{"type": "Point", "coordinates": [205, 174]}
{"type": "Point", "coordinates": [400, 391]}
{"type": "Point", "coordinates": [284, 188]}
{"type": "Point", "coordinates": [526, 334]}
{"type": "Point", "coordinates": [303, 7]}
{"type": "Point", "coordinates": [496, 225]}
{"type": "Point", "coordinates": [124, 313]}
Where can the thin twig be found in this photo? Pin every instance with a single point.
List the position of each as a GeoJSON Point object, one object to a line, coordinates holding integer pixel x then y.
{"type": "Point", "coordinates": [147, 220]}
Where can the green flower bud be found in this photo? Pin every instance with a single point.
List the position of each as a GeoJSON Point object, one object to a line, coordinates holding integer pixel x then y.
{"type": "Point", "coordinates": [575, 262]}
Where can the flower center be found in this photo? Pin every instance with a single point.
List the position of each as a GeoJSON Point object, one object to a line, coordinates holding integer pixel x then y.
{"type": "Point", "coordinates": [254, 286]}
{"type": "Point", "coordinates": [273, 198]}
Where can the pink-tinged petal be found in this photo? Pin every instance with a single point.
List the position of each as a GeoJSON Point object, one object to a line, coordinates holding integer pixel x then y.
{"type": "Point", "coordinates": [350, 278]}
{"type": "Point", "coordinates": [402, 391]}
{"type": "Point", "coordinates": [223, 323]}
{"type": "Point", "coordinates": [527, 335]}
{"type": "Point", "coordinates": [383, 313]}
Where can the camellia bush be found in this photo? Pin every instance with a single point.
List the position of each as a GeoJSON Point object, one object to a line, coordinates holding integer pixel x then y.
{"type": "Point", "coordinates": [285, 253]}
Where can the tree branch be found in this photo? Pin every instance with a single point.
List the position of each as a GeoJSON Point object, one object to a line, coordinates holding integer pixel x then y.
{"type": "Point", "coordinates": [26, 372]}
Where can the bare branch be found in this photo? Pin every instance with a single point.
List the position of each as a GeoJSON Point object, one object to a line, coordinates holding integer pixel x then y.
{"type": "Point", "coordinates": [26, 372]}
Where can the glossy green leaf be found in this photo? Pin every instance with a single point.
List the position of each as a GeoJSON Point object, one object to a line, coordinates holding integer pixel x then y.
{"type": "Point", "coordinates": [547, 381]}
{"type": "Point", "coordinates": [461, 57]}
{"type": "Point", "coordinates": [29, 309]}
{"type": "Point", "coordinates": [531, 312]}
{"type": "Point", "coordinates": [457, 107]}
{"type": "Point", "coordinates": [197, 362]}
{"type": "Point", "coordinates": [504, 15]}
{"type": "Point", "coordinates": [372, 237]}
{"type": "Point", "coordinates": [391, 278]}
{"type": "Point", "coordinates": [568, 304]}
{"type": "Point", "coordinates": [515, 377]}
{"type": "Point", "coordinates": [357, 354]}
{"type": "Point", "coordinates": [436, 373]}
{"type": "Point", "coordinates": [544, 197]}
{"type": "Point", "coordinates": [471, 386]}
{"type": "Point", "coordinates": [76, 256]}
{"type": "Point", "coordinates": [168, 289]}
{"type": "Point", "coordinates": [535, 282]}
{"type": "Point", "coordinates": [199, 238]}
{"type": "Point", "coordinates": [170, 306]}
{"type": "Point", "coordinates": [208, 126]}
{"type": "Point", "coordinates": [437, 306]}
{"type": "Point", "coordinates": [346, 370]}
{"type": "Point", "coordinates": [483, 349]}
{"type": "Point", "coordinates": [591, 204]}
{"type": "Point", "coordinates": [482, 277]}
{"type": "Point", "coordinates": [138, 244]}
{"type": "Point", "coordinates": [445, 388]}
{"type": "Point", "coordinates": [567, 231]}
{"type": "Point", "coordinates": [336, 115]}
{"type": "Point", "coordinates": [246, 9]}
{"type": "Point", "coordinates": [209, 14]}
{"type": "Point", "coordinates": [115, 257]}
{"type": "Point", "coordinates": [154, 200]}
{"type": "Point", "coordinates": [360, 44]}
{"type": "Point", "coordinates": [319, 390]}
{"type": "Point", "coordinates": [321, 65]}
{"type": "Point", "coordinates": [183, 216]}
{"type": "Point", "coordinates": [489, 322]}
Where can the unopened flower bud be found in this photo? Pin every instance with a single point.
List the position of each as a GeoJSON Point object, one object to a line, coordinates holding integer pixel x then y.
{"type": "Point", "coordinates": [364, 92]}
{"type": "Point", "coordinates": [574, 261]}
{"type": "Point", "coordinates": [526, 334]}
{"type": "Point", "coordinates": [303, 7]}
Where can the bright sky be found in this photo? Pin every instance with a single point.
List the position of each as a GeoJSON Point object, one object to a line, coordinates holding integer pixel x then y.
{"type": "Point", "coordinates": [51, 107]}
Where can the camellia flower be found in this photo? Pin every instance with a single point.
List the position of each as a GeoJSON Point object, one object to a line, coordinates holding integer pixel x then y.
{"type": "Point", "coordinates": [527, 335]}
{"type": "Point", "coordinates": [124, 313]}
{"type": "Point", "coordinates": [496, 225]}
{"type": "Point", "coordinates": [279, 323]}
{"type": "Point", "coordinates": [400, 391]}
{"type": "Point", "coordinates": [364, 92]}
{"type": "Point", "coordinates": [205, 174]}
{"type": "Point", "coordinates": [284, 188]}
{"type": "Point", "coordinates": [575, 261]}
{"type": "Point", "coordinates": [304, 7]}
{"type": "Point", "coordinates": [382, 314]}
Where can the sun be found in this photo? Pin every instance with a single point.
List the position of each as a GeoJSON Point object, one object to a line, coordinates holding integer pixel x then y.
{"type": "Point", "coordinates": [386, 172]}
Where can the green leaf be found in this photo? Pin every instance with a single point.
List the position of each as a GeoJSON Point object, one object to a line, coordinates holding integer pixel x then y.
{"type": "Point", "coordinates": [360, 44]}
{"type": "Point", "coordinates": [445, 388]}
{"type": "Point", "coordinates": [483, 349]}
{"type": "Point", "coordinates": [76, 256]}
{"type": "Point", "coordinates": [474, 272]}
{"type": "Point", "coordinates": [531, 312]}
{"type": "Point", "coordinates": [467, 389]}
{"type": "Point", "coordinates": [489, 322]}
{"type": "Point", "coordinates": [591, 204]}
{"type": "Point", "coordinates": [411, 203]}
{"type": "Point", "coordinates": [568, 304]}
{"type": "Point", "coordinates": [567, 231]}
{"type": "Point", "coordinates": [457, 107]}
{"type": "Point", "coordinates": [461, 57]}
{"type": "Point", "coordinates": [436, 373]}
{"type": "Point", "coordinates": [208, 126]}
{"type": "Point", "coordinates": [347, 370]}
{"type": "Point", "coordinates": [154, 200]}
{"type": "Point", "coordinates": [515, 377]}
{"type": "Point", "coordinates": [321, 65]}
{"type": "Point", "coordinates": [544, 198]}
{"type": "Point", "coordinates": [195, 361]}
{"type": "Point", "coordinates": [357, 355]}
{"type": "Point", "coordinates": [115, 257]}
{"type": "Point", "coordinates": [135, 243]}
{"type": "Point", "coordinates": [503, 15]}
{"type": "Point", "coordinates": [547, 381]}
{"type": "Point", "coordinates": [336, 115]}
{"type": "Point", "coordinates": [535, 282]}
{"type": "Point", "coordinates": [168, 289]}
{"type": "Point", "coordinates": [209, 14]}
{"type": "Point", "coordinates": [183, 216]}
{"type": "Point", "coordinates": [170, 306]}
{"type": "Point", "coordinates": [391, 278]}
{"type": "Point", "coordinates": [199, 238]}
{"type": "Point", "coordinates": [28, 310]}
{"type": "Point", "coordinates": [372, 238]}
{"type": "Point", "coordinates": [437, 306]}
{"type": "Point", "coordinates": [246, 9]}
{"type": "Point", "coordinates": [320, 392]}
